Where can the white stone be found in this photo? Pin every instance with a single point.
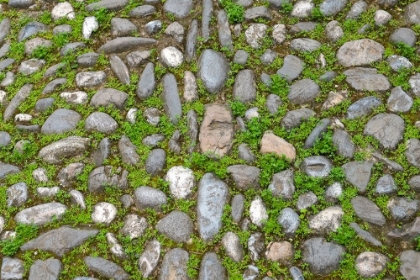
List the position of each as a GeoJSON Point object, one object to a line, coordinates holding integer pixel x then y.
{"type": "Point", "coordinates": [302, 9]}
{"type": "Point", "coordinates": [23, 118]}
{"type": "Point", "coordinates": [47, 192]}
{"type": "Point", "coordinates": [255, 33]}
{"type": "Point", "coordinates": [279, 33]}
{"type": "Point", "coordinates": [252, 113]}
{"type": "Point", "coordinates": [1, 224]}
{"type": "Point", "coordinates": [40, 175]}
{"type": "Point", "coordinates": [90, 24]}
{"type": "Point", "coordinates": [149, 258]}
{"type": "Point", "coordinates": [62, 10]}
{"type": "Point", "coordinates": [3, 97]}
{"type": "Point", "coordinates": [382, 17]}
{"type": "Point", "coordinates": [335, 190]}
{"type": "Point", "coordinates": [171, 57]}
{"type": "Point", "coordinates": [258, 212]}
{"type": "Point", "coordinates": [104, 212]}
{"type": "Point", "coordinates": [77, 198]}
{"type": "Point", "coordinates": [327, 220]}
{"type": "Point", "coordinates": [77, 97]}
{"type": "Point", "coordinates": [131, 115]}
{"type": "Point", "coordinates": [181, 181]}
{"type": "Point", "coordinates": [190, 86]}
{"type": "Point", "coordinates": [116, 248]}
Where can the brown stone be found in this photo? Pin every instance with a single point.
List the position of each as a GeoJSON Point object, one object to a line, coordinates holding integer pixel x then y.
{"type": "Point", "coordinates": [280, 251]}
{"type": "Point", "coordinates": [216, 131]}
{"type": "Point", "coordinates": [271, 143]}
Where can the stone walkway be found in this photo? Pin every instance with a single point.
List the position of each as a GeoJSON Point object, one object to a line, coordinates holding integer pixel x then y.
{"type": "Point", "coordinates": [184, 139]}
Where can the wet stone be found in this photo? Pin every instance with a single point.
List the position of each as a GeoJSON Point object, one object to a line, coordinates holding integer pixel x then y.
{"type": "Point", "coordinates": [368, 211]}
{"type": "Point", "coordinates": [48, 269]}
{"type": "Point", "coordinates": [147, 197]}
{"type": "Point", "coordinates": [106, 268]}
{"type": "Point", "coordinates": [323, 257]}
{"type": "Point", "coordinates": [177, 226]}
{"type": "Point", "coordinates": [174, 265]}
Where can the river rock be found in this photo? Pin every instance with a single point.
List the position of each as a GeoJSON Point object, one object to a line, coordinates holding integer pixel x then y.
{"type": "Point", "coordinates": [12, 269]}
{"type": "Point", "coordinates": [170, 95]}
{"type": "Point", "coordinates": [106, 268]}
{"type": "Point", "coordinates": [410, 261]}
{"type": "Point", "coordinates": [90, 79]}
{"type": "Point", "coordinates": [41, 214]}
{"type": "Point", "coordinates": [413, 152]}
{"type": "Point", "coordinates": [244, 88]}
{"type": "Point", "coordinates": [317, 166]}
{"type": "Point", "coordinates": [403, 209]}
{"type": "Point", "coordinates": [177, 226]}
{"type": "Point", "coordinates": [344, 144]}
{"type": "Point", "coordinates": [370, 264]}
{"type": "Point", "coordinates": [358, 174]}
{"type": "Point", "coordinates": [17, 195]}
{"type": "Point", "coordinates": [363, 107]}
{"type": "Point", "coordinates": [213, 70]}
{"type": "Point", "coordinates": [48, 269]}
{"type": "Point", "coordinates": [233, 246]}
{"type": "Point", "coordinates": [61, 120]}
{"type": "Point", "coordinates": [368, 211]}
{"type": "Point", "coordinates": [124, 44]}
{"type": "Point", "coordinates": [149, 258]}
{"type": "Point", "coordinates": [360, 52]}
{"type": "Point", "coordinates": [56, 152]}
{"type": "Point", "coordinates": [366, 79]}
{"type": "Point", "coordinates": [179, 8]}
{"type": "Point", "coordinates": [388, 129]}
{"type": "Point", "coordinates": [294, 118]}
{"type": "Point", "coordinates": [244, 176]}
{"type": "Point", "coordinates": [174, 265]}
{"type": "Point", "coordinates": [328, 220]}
{"type": "Point", "coordinates": [147, 197]}
{"type": "Point", "coordinates": [147, 83]}
{"type": "Point", "coordinates": [289, 220]}
{"type": "Point", "coordinates": [323, 257]}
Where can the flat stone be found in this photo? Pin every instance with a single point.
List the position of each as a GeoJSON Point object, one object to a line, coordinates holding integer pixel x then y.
{"type": "Point", "coordinates": [6, 169]}
{"type": "Point", "coordinates": [17, 195]}
{"type": "Point", "coordinates": [107, 4]}
{"type": "Point", "coordinates": [212, 196]}
{"type": "Point", "coordinates": [60, 121]}
{"type": "Point", "coordinates": [106, 268]}
{"type": "Point", "coordinates": [306, 200]}
{"type": "Point", "coordinates": [332, 7]}
{"type": "Point", "coordinates": [59, 241]}
{"type": "Point", "coordinates": [412, 13]}
{"type": "Point", "coordinates": [124, 44]}
{"type": "Point", "coordinates": [388, 129]}
{"type": "Point", "coordinates": [358, 174]}
{"type": "Point", "coordinates": [41, 214]}
{"type": "Point", "coordinates": [398, 63]}
{"type": "Point", "coordinates": [12, 269]}
{"type": "Point", "coordinates": [179, 8]}
{"type": "Point", "coordinates": [147, 197]}
{"type": "Point", "coordinates": [120, 69]}
{"type": "Point", "coordinates": [344, 144]}
{"type": "Point", "coordinates": [90, 79]}
{"type": "Point", "coordinates": [368, 211]}
{"type": "Point", "coordinates": [65, 148]}
{"type": "Point", "coordinates": [292, 67]}
{"type": "Point", "coordinates": [245, 176]}
{"type": "Point", "coordinates": [244, 88]}
{"type": "Point", "coordinates": [233, 246]}
{"type": "Point", "coordinates": [128, 151]}
{"type": "Point", "coordinates": [370, 264]}
{"type": "Point", "coordinates": [213, 70]}
{"type": "Point", "coordinates": [177, 226]}
{"type": "Point", "coordinates": [48, 269]}
{"type": "Point", "coordinates": [255, 33]}
{"type": "Point", "coordinates": [399, 101]}
{"type": "Point", "coordinates": [366, 79]}
{"type": "Point", "coordinates": [104, 213]}
{"type": "Point", "coordinates": [101, 122]}
{"type": "Point", "coordinates": [385, 185]}
{"type": "Point", "coordinates": [19, 97]}
{"type": "Point", "coordinates": [317, 166]}
{"type": "Point", "coordinates": [413, 152]}
{"type": "Point", "coordinates": [360, 52]}
{"type": "Point", "coordinates": [216, 131]}
{"type": "Point", "coordinates": [271, 143]}
{"type": "Point", "coordinates": [403, 209]}
{"type": "Point", "coordinates": [365, 235]}
{"type": "Point", "coordinates": [87, 59]}
{"type": "Point", "coordinates": [304, 45]}
{"type": "Point", "coordinates": [224, 34]}
{"type": "Point", "coordinates": [191, 41]}
{"type": "Point", "coordinates": [170, 96]}
{"type": "Point", "coordinates": [212, 268]}
{"type": "Point", "coordinates": [410, 262]}
{"type": "Point", "coordinates": [124, 27]}
{"type": "Point", "coordinates": [323, 257]}
{"type": "Point", "coordinates": [174, 264]}
{"type": "Point", "coordinates": [294, 118]}
{"type": "Point", "coordinates": [109, 96]}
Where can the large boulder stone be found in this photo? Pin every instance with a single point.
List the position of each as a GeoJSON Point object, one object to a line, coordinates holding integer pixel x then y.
{"type": "Point", "coordinates": [323, 257]}
{"type": "Point", "coordinates": [388, 129]}
{"type": "Point", "coordinates": [360, 52]}
{"type": "Point", "coordinates": [216, 131]}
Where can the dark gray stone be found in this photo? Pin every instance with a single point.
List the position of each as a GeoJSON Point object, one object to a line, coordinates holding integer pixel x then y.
{"type": "Point", "coordinates": [212, 196]}
{"type": "Point", "coordinates": [323, 257]}
{"type": "Point", "coordinates": [112, 5]}
{"type": "Point", "coordinates": [388, 129]}
{"type": "Point", "coordinates": [49, 269]}
{"type": "Point", "coordinates": [53, 85]}
{"type": "Point", "coordinates": [306, 200]}
{"type": "Point", "coordinates": [412, 13]}
{"type": "Point", "coordinates": [303, 91]}
{"type": "Point", "coordinates": [365, 235]}
{"type": "Point", "coordinates": [156, 161]}
{"type": "Point", "coordinates": [5, 29]}
{"type": "Point", "coordinates": [316, 133]}
{"type": "Point", "coordinates": [6, 63]}
{"type": "Point", "coordinates": [72, 48]}
{"type": "Point", "coordinates": [292, 67]}
{"type": "Point", "coordinates": [225, 37]}
{"type": "Point", "coordinates": [259, 12]}
{"type": "Point", "coordinates": [87, 59]}
{"type": "Point", "coordinates": [174, 265]}
{"type": "Point", "coordinates": [305, 26]}
{"type": "Point", "coordinates": [147, 197]}
{"type": "Point", "coordinates": [179, 8]}
{"type": "Point", "coordinates": [237, 207]}
{"type": "Point", "coordinates": [102, 152]}
{"type": "Point", "coordinates": [273, 103]}
{"type": "Point", "coordinates": [106, 268]}
{"type": "Point", "coordinates": [109, 96]}
{"type": "Point", "coordinates": [368, 211]}
{"type": "Point", "coordinates": [363, 107]}
{"type": "Point", "coordinates": [357, 9]}
{"type": "Point", "coordinates": [142, 11]}
{"type": "Point", "coordinates": [147, 83]}
{"type": "Point", "coordinates": [59, 241]}
{"type": "Point", "coordinates": [124, 44]}
{"type": "Point", "coordinates": [170, 95]}
{"type": "Point", "coordinates": [342, 141]}
{"type": "Point", "coordinates": [294, 118]}
{"type": "Point", "coordinates": [30, 29]}
{"type": "Point", "coordinates": [403, 209]}
{"type": "Point", "coordinates": [245, 153]}
{"type": "Point", "coordinates": [128, 151]}
{"type": "Point", "coordinates": [213, 70]}
{"type": "Point", "coordinates": [177, 226]}
{"type": "Point", "coordinates": [358, 174]}
{"type": "Point", "coordinates": [105, 176]}
{"type": "Point", "coordinates": [245, 176]}
{"type": "Point", "coordinates": [52, 71]}
{"type": "Point", "coordinates": [60, 121]}
{"type": "Point", "coordinates": [244, 88]}
{"type": "Point", "coordinates": [317, 166]}
{"type": "Point", "coordinates": [122, 26]}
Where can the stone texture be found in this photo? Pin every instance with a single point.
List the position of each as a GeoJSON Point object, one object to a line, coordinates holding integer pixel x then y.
{"type": "Point", "coordinates": [271, 143]}
{"type": "Point", "coordinates": [359, 52]}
